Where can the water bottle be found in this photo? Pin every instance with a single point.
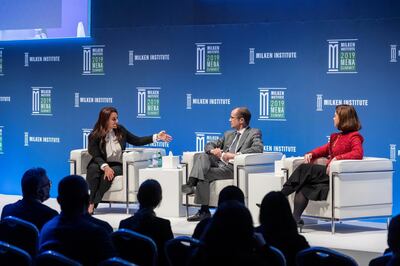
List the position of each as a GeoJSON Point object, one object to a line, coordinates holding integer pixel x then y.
{"type": "Point", "coordinates": [159, 159]}
{"type": "Point", "coordinates": [154, 160]}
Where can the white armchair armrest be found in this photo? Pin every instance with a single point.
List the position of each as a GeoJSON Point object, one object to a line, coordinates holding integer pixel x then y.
{"type": "Point", "coordinates": [367, 164]}
{"type": "Point", "coordinates": [253, 159]}
{"type": "Point", "coordinates": [79, 159]}
{"type": "Point", "coordinates": [257, 158]}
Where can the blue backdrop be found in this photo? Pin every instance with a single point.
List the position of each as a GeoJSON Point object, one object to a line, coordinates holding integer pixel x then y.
{"type": "Point", "coordinates": [187, 78]}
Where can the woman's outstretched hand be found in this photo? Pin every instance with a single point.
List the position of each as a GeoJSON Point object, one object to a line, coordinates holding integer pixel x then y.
{"type": "Point", "coordinates": [162, 135]}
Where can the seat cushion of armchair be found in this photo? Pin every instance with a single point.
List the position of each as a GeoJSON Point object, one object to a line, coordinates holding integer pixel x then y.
{"type": "Point", "coordinates": [137, 156]}
{"type": "Point", "coordinates": [117, 185]}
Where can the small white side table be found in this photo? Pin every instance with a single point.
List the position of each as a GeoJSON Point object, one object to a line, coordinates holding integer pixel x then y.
{"type": "Point", "coordinates": [171, 183]}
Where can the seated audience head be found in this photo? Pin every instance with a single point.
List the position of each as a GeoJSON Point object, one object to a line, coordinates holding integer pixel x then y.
{"type": "Point", "coordinates": [394, 235]}
{"type": "Point", "coordinates": [230, 229]}
{"type": "Point", "coordinates": [230, 193]}
{"type": "Point", "coordinates": [35, 184]}
{"type": "Point", "coordinates": [276, 215]}
{"type": "Point", "coordinates": [149, 194]}
{"type": "Point", "coordinates": [346, 118]}
{"type": "Point", "coordinates": [73, 195]}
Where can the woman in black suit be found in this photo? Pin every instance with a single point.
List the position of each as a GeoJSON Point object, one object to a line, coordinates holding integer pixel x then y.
{"type": "Point", "coordinates": [107, 141]}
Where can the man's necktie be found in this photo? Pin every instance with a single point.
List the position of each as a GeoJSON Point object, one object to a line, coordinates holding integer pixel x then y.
{"type": "Point", "coordinates": [234, 144]}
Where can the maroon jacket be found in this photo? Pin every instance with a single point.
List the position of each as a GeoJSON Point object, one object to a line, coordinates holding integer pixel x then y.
{"type": "Point", "coordinates": [342, 146]}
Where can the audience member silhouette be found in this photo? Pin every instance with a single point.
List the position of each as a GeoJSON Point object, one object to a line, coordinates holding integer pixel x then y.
{"type": "Point", "coordinates": [145, 220]}
{"type": "Point", "coordinates": [229, 239]}
{"type": "Point", "coordinates": [394, 240]}
{"type": "Point", "coordinates": [35, 189]}
{"type": "Point", "coordinates": [279, 228]}
{"type": "Point", "coordinates": [227, 193]}
{"type": "Point", "coordinates": [71, 233]}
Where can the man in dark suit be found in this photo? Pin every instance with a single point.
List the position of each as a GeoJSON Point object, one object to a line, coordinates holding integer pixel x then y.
{"type": "Point", "coordinates": [145, 220]}
{"type": "Point", "coordinates": [216, 162]}
{"type": "Point", "coordinates": [35, 189]}
{"type": "Point", "coordinates": [71, 233]}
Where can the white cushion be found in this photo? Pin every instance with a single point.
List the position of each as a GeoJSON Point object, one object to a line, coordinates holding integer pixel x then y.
{"type": "Point", "coordinates": [365, 165]}
{"type": "Point", "coordinates": [117, 185]}
{"type": "Point", "coordinates": [257, 158]}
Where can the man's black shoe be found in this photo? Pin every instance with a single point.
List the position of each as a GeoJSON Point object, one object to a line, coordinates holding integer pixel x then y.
{"type": "Point", "coordinates": [199, 216]}
{"type": "Point", "coordinates": [187, 189]}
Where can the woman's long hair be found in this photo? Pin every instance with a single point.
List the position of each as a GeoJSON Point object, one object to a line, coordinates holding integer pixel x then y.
{"type": "Point", "coordinates": [231, 228]}
{"type": "Point", "coordinates": [276, 216]}
{"type": "Point", "coordinates": [101, 126]}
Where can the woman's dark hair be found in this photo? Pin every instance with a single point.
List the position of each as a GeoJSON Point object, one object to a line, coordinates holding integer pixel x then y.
{"type": "Point", "coordinates": [231, 193]}
{"type": "Point", "coordinates": [231, 228]}
{"type": "Point", "coordinates": [275, 214]}
{"type": "Point", "coordinates": [394, 234]}
{"type": "Point", "coordinates": [348, 118]}
{"type": "Point", "coordinates": [101, 126]}
{"type": "Point", "coordinates": [149, 194]}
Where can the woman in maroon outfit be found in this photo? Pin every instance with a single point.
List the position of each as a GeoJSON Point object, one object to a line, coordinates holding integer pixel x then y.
{"type": "Point", "coordinates": [311, 181]}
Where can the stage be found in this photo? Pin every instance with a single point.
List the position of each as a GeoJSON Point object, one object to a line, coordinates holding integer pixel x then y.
{"type": "Point", "coordinates": [362, 240]}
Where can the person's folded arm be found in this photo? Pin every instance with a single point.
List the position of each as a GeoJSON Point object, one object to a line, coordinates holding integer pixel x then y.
{"type": "Point", "coordinates": [214, 144]}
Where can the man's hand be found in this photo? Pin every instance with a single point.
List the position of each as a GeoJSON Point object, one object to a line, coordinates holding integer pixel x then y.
{"type": "Point", "coordinates": [228, 156]}
{"type": "Point", "coordinates": [217, 152]}
{"type": "Point", "coordinates": [108, 173]}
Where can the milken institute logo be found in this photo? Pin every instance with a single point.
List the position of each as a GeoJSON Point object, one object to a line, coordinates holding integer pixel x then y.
{"type": "Point", "coordinates": [272, 104]}
{"type": "Point", "coordinates": [41, 101]}
{"type": "Point", "coordinates": [148, 99]}
{"type": "Point", "coordinates": [93, 60]}
{"type": "Point", "coordinates": [208, 59]}
{"type": "Point", "coordinates": [342, 56]}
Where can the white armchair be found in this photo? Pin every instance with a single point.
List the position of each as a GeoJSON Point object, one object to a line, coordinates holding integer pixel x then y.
{"type": "Point", "coordinates": [243, 165]}
{"type": "Point", "coordinates": [132, 160]}
{"type": "Point", "coordinates": [357, 189]}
